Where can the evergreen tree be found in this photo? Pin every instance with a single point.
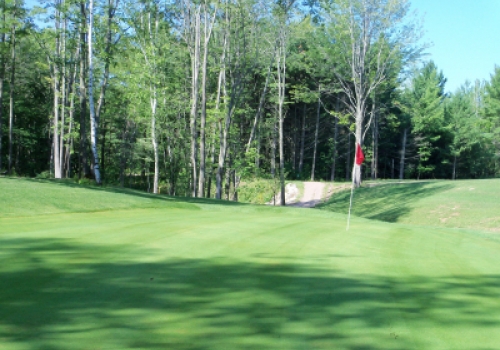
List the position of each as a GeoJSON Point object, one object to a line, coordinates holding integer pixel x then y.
{"type": "Point", "coordinates": [423, 102]}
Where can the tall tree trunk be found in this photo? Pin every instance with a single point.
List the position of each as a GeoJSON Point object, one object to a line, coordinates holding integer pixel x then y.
{"type": "Point", "coordinates": [302, 141]}
{"type": "Point", "coordinates": [83, 162]}
{"type": "Point", "coordinates": [71, 89]}
{"type": "Point", "coordinates": [203, 118]}
{"type": "Point", "coordinates": [212, 162]}
{"type": "Point", "coordinates": [93, 120]}
{"type": "Point", "coordinates": [153, 34]}
{"type": "Point", "coordinates": [375, 131]}
{"type": "Point", "coordinates": [335, 137]}
{"type": "Point", "coordinates": [203, 122]}
{"type": "Point", "coordinates": [111, 8]}
{"type": "Point", "coordinates": [454, 175]}
{"type": "Point", "coordinates": [356, 169]}
{"type": "Point", "coordinates": [155, 143]}
{"type": "Point", "coordinates": [281, 116]}
{"type": "Point", "coordinates": [103, 131]}
{"type": "Point", "coordinates": [236, 90]}
{"type": "Point", "coordinates": [295, 140]}
{"type": "Point", "coordinates": [12, 89]}
{"type": "Point", "coordinates": [123, 150]}
{"type": "Point", "coordinates": [316, 133]}
{"type": "Point", "coordinates": [3, 63]}
{"type": "Point", "coordinates": [348, 156]}
{"type": "Point", "coordinates": [261, 104]}
{"type": "Point", "coordinates": [62, 57]}
{"type": "Point", "coordinates": [228, 176]}
{"type": "Point", "coordinates": [223, 147]}
{"type": "Point", "coordinates": [257, 150]}
{"type": "Point", "coordinates": [273, 150]}
{"type": "Point", "coordinates": [403, 155]}
{"type": "Point", "coordinates": [107, 57]}
{"type": "Point", "coordinates": [195, 68]}
{"type": "Point", "coordinates": [220, 86]}
{"type": "Point", "coordinates": [282, 159]}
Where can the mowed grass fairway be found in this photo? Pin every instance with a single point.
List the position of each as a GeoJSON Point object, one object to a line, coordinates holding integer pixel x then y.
{"type": "Point", "coordinates": [84, 268]}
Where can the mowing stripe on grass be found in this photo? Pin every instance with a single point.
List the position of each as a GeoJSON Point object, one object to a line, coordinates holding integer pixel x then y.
{"type": "Point", "coordinates": [242, 277]}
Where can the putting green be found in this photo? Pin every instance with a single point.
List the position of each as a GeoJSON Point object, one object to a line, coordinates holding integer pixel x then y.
{"type": "Point", "coordinates": [179, 275]}
{"type": "Point", "coordinates": [472, 204]}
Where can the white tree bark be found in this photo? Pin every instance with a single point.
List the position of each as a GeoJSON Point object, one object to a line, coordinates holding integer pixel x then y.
{"type": "Point", "coordinates": [82, 155]}
{"type": "Point", "coordinates": [12, 86]}
{"type": "Point", "coordinates": [195, 41]}
{"type": "Point", "coordinates": [281, 65]}
{"type": "Point", "coordinates": [208, 25]}
{"type": "Point", "coordinates": [93, 121]}
{"type": "Point", "coordinates": [223, 130]}
{"type": "Point", "coordinates": [375, 35]}
{"type": "Point", "coordinates": [3, 63]}
{"type": "Point", "coordinates": [63, 89]}
{"type": "Point", "coordinates": [12, 89]}
{"type": "Point", "coordinates": [154, 141]}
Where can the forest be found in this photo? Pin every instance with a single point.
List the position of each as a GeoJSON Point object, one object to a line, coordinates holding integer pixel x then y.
{"type": "Point", "coordinates": [194, 97]}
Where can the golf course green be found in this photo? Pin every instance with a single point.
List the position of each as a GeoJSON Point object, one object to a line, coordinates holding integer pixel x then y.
{"type": "Point", "coordinates": [104, 268]}
{"type": "Point", "coordinates": [471, 204]}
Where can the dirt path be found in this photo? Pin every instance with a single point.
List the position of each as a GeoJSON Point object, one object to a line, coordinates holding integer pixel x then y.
{"type": "Point", "coordinates": [313, 194]}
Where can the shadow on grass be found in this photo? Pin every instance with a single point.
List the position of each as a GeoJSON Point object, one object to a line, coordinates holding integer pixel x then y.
{"type": "Point", "coordinates": [386, 202]}
{"type": "Point", "coordinates": [56, 295]}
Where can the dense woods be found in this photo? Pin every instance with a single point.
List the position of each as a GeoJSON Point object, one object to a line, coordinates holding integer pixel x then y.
{"type": "Point", "coordinates": [193, 97]}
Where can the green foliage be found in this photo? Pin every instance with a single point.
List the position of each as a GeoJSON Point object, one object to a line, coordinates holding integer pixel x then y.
{"type": "Point", "coordinates": [44, 175]}
{"type": "Point", "coordinates": [462, 121]}
{"type": "Point", "coordinates": [257, 190]}
{"type": "Point", "coordinates": [423, 104]}
{"type": "Point", "coordinates": [492, 111]}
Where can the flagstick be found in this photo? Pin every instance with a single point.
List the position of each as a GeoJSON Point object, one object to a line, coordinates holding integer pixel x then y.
{"type": "Point", "coordinates": [350, 201]}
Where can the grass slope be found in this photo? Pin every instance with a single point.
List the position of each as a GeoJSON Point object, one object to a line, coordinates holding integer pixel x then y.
{"type": "Point", "coordinates": [472, 204]}
{"type": "Point", "coordinates": [132, 272]}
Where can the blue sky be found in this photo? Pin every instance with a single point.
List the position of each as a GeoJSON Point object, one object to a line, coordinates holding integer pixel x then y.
{"type": "Point", "coordinates": [465, 35]}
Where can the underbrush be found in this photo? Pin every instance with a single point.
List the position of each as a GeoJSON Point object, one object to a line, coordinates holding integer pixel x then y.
{"type": "Point", "coordinates": [257, 191]}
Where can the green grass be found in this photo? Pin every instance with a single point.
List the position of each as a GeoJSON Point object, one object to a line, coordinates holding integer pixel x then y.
{"type": "Point", "coordinates": [473, 204]}
{"type": "Point", "coordinates": [125, 270]}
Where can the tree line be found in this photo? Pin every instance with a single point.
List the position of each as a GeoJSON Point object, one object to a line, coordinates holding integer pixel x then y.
{"type": "Point", "coordinates": [192, 97]}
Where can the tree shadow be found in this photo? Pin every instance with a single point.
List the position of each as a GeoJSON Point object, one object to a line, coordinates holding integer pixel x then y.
{"type": "Point", "coordinates": [60, 295]}
{"type": "Point", "coordinates": [387, 202]}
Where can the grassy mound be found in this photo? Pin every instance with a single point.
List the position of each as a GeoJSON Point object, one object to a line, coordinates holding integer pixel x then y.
{"type": "Point", "coordinates": [26, 197]}
{"type": "Point", "coordinates": [473, 204]}
{"type": "Point", "coordinates": [131, 271]}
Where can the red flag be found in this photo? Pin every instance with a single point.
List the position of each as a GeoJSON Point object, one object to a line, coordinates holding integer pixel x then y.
{"type": "Point", "coordinates": [360, 157]}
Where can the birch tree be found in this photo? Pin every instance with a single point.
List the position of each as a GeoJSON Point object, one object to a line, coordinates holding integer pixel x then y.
{"type": "Point", "coordinates": [370, 34]}
{"type": "Point", "coordinates": [283, 12]}
{"type": "Point", "coordinates": [3, 64]}
{"type": "Point", "coordinates": [208, 24]}
{"type": "Point", "coordinates": [12, 83]}
{"type": "Point", "coordinates": [93, 118]}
